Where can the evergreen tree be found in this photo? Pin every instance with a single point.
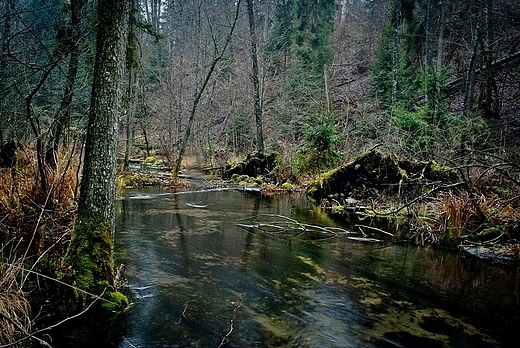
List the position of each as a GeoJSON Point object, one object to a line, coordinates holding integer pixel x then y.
{"type": "Point", "coordinates": [302, 42]}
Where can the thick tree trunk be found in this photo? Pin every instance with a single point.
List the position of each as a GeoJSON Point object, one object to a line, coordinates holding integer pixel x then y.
{"type": "Point", "coordinates": [90, 250]}
{"type": "Point", "coordinates": [256, 81]}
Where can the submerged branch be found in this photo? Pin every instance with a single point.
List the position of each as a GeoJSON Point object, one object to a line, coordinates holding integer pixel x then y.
{"type": "Point", "coordinates": [225, 339]}
{"type": "Point", "coordinates": [284, 229]}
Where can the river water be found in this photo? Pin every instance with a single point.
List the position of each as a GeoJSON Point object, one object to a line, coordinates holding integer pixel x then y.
{"type": "Point", "coordinates": [203, 274]}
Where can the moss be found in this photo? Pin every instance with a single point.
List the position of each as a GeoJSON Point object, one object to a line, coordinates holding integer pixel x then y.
{"type": "Point", "coordinates": [115, 301]}
{"type": "Point", "coordinates": [235, 177]}
{"type": "Point", "coordinates": [287, 186]}
{"type": "Point", "coordinates": [252, 183]}
{"type": "Point", "coordinates": [150, 160]}
{"type": "Point", "coordinates": [90, 258]}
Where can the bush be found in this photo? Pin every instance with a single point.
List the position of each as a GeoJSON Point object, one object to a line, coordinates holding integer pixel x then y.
{"type": "Point", "coordinates": [319, 151]}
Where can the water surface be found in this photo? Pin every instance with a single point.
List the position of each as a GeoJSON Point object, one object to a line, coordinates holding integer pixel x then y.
{"type": "Point", "coordinates": [198, 278]}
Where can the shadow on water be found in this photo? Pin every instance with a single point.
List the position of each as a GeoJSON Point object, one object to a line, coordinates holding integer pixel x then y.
{"type": "Point", "coordinates": [197, 279]}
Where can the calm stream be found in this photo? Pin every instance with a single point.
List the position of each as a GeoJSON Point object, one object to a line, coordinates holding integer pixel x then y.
{"type": "Point", "coordinates": [199, 278]}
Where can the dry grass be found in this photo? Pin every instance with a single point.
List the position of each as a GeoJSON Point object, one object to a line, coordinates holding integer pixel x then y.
{"type": "Point", "coordinates": [460, 213]}
{"type": "Point", "coordinates": [26, 211]}
{"type": "Point", "coordinates": [15, 322]}
{"type": "Point", "coordinates": [39, 221]}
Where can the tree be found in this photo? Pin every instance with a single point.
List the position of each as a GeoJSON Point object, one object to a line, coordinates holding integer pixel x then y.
{"type": "Point", "coordinates": [90, 251]}
{"type": "Point", "coordinates": [301, 49]}
{"type": "Point", "coordinates": [69, 39]}
{"type": "Point", "coordinates": [217, 56]}
{"type": "Point", "coordinates": [256, 82]}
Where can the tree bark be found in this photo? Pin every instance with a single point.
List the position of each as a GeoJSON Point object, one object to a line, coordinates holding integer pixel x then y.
{"type": "Point", "coordinates": [6, 34]}
{"type": "Point", "coordinates": [90, 251]}
{"type": "Point", "coordinates": [132, 63]}
{"type": "Point", "coordinates": [256, 81]}
{"type": "Point", "coordinates": [472, 66]}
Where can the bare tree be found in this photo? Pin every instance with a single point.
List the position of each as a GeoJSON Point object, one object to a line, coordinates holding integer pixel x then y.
{"type": "Point", "coordinates": [256, 81]}
{"type": "Point", "coordinates": [218, 53]}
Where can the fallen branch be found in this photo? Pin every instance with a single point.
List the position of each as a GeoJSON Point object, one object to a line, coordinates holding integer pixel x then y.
{"type": "Point", "coordinates": [416, 199]}
{"type": "Point", "coordinates": [377, 229]}
{"type": "Point", "coordinates": [225, 339]}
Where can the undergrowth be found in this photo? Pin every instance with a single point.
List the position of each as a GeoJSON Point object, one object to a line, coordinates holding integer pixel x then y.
{"type": "Point", "coordinates": [35, 227]}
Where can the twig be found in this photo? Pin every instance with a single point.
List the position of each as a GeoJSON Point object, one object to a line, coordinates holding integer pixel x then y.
{"type": "Point", "coordinates": [183, 314]}
{"type": "Point", "coordinates": [97, 297]}
{"type": "Point", "coordinates": [232, 321]}
{"type": "Point", "coordinates": [129, 343]}
{"type": "Point", "coordinates": [377, 229]}
{"type": "Point", "coordinates": [32, 335]}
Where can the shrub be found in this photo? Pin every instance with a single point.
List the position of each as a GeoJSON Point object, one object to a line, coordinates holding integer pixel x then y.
{"type": "Point", "coordinates": [319, 151]}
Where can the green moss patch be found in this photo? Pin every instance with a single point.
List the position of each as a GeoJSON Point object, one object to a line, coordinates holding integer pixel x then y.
{"type": "Point", "coordinates": [89, 258]}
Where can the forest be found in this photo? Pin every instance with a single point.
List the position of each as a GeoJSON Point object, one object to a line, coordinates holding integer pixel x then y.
{"type": "Point", "coordinates": [424, 91]}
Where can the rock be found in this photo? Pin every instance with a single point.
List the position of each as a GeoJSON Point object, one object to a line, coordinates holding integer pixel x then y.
{"type": "Point", "coordinates": [255, 164]}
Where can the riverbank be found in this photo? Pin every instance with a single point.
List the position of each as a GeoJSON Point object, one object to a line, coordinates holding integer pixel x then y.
{"type": "Point", "coordinates": [476, 215]}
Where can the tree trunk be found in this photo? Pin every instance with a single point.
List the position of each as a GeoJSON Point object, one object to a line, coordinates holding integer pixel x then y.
{"type": "Point", "coordinates": [256, 81]}
{"type": "Point", "coordinates": [472, 66]}
{"type": "Point", "coordinates": [132, 63]}
{"type": "Point", "coordinates": [395, 57]}
{"type": "Point", "coordinates": [489, 107]}
{"type": "Point", "coordinates": [6, 34]}
{"type": "Point", "coordinates": [89, 255]}
{"type": "Point", "coordinates": [428, 47]}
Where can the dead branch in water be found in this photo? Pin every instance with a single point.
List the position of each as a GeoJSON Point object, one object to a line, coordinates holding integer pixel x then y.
{"type": "Point", "coordinates": [225, 339]}
{"type": "Point", "coordinates": [284, 229]}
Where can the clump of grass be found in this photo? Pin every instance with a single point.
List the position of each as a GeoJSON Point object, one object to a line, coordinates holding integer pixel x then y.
{"type": "Point", "coordinates": [465, 213]}
{"type": "Point", "coordinates": [457, 213]}
{"type": "Point", "coordinates": [27, 211]}
{"type": "Point", "coordinates": [15, 322]}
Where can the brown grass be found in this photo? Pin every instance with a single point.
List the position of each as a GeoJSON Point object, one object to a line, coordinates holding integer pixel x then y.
{"type": "Point", "coordinates": [459, 213]}
{"type": "Point", "coordinates": [15, 322]}
{"type": "Point", "coordinates": [39, 221]}
{"type": "Point", "coordinates": [26, 211]}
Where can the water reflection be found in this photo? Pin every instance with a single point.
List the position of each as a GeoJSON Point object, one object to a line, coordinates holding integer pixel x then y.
{"type": "Point", "coordinates": [192, 270]}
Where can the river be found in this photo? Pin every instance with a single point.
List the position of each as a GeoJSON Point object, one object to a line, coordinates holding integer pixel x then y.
{"type": "Point", "coordinates": [200, 277]}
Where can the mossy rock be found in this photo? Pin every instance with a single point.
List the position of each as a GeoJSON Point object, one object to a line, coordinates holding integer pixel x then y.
{"type": "Point", "coordinates": [372, 173]}
{"type": "Point", "coordinates": [287, 186]}
{"type": "Point", "coordinates": [150, 160]}
{"type": "Point", "coordinates": [254, 165]}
